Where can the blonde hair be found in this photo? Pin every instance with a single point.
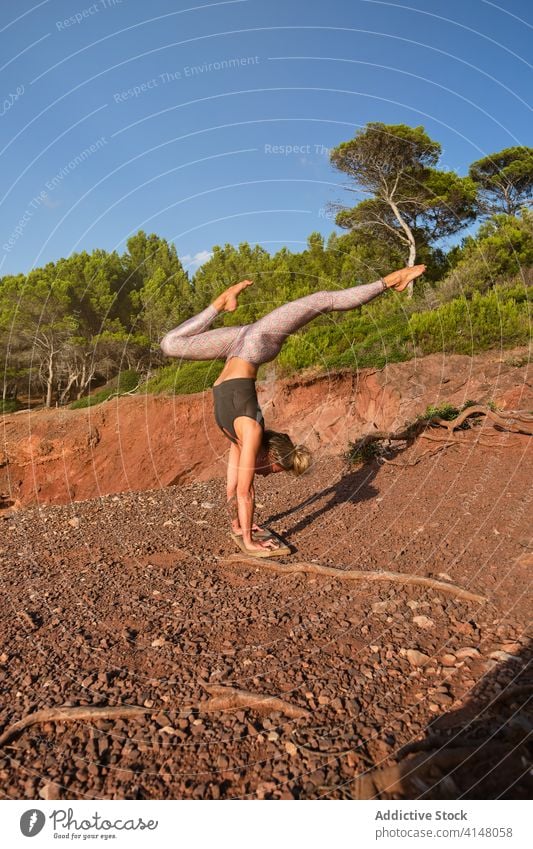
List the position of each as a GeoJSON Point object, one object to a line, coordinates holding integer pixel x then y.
{"type": "Point", "coordinates": [281, 449]}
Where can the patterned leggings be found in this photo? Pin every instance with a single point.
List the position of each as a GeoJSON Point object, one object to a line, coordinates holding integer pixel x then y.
{"type": "Point", "coordinates": [261, 341]}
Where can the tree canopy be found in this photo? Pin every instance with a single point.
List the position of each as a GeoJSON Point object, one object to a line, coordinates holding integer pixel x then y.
{"type": "Point", "coordinates": [504, 180]}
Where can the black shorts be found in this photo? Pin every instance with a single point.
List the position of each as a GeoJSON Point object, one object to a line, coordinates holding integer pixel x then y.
{"type": "Point", "coordinates": [233, 398]}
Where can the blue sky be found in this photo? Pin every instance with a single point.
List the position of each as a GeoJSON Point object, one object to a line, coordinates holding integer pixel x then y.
{"type": "Point", "coordinates": [210, 123]}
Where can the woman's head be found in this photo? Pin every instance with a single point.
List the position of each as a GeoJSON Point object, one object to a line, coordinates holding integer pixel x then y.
{"type": "Point", "coordinates": [281, 451]}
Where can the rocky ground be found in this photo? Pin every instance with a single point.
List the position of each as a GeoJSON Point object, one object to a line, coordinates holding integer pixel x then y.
{"type": "Point", "coordinates": [131, 599]}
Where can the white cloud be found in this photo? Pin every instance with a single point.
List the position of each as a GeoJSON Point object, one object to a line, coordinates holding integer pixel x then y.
{"type": "Point", "coordinates": [194, 262]}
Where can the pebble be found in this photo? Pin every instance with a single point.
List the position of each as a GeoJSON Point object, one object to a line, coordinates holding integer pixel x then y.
{"type": "Point", "coordinates": [423, 622]}
{"type": "Point", "coordinates": [502, 655]}
{"type": "Point", "coordinates": [467, 651]}
{"type": "Point", "coordinates": [416, 658]}
{"type": "Point", "coordinates": [50, 790]}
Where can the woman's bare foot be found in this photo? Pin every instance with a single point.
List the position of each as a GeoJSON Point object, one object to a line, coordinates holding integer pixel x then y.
{"type": "Point", "coordinates": [269, 544]}
{"type": "Point", "coordinates": [228, 300]}
{"type": "Point", "coordinates": [400, 279]}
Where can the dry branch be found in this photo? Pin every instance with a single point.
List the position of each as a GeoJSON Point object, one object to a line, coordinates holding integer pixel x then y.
{"type": "Point", "coordinates": [227, 698]}
{"type": "Point", "coordinates": [72, 714]}
{"type": "Point", "coordinates": [420, 457]}
{"type": "Point", "coordinates": [514, 422]}
{"type": "Point", "coordinates": [354, 575]}
{"type": "Point", "coordinates": [223, 698]}
{"type": "Point", "coordinates": [465, 443]}
{"type": "Point", "coordinates": [27, 619]}
{"type": "Point", "coordinates": [507, 423]}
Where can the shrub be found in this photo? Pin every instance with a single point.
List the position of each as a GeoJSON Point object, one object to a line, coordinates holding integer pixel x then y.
{"type": "Point", "coordinates": [502, 248]}
{"type": "Point", "coordinates": [184, 378]}
{"type": "Point", "coordinates": [91, 400]}
{"type": "Point", "coordinates": [498, 318]}
{"type": "Point", "coordinates": [9, 406]}
{"type": "Point", "coordinates": [125, 381]}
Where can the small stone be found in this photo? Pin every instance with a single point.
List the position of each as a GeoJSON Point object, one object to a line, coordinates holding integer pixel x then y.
{"type": "Point", "coordinates": [423, 622]}
{"type": "Point", "coordinates": [167, 523]}
{"type": "Point", "coordinates": [157, 643]}
{"type": "Point", "coordinates": [443, 699]}
{"type": "Point", "coordinates": [501, 655]}
{"type": "Point", "coordinates": [511, 647]}
{"type": "Point", "coordinates": [448, 659]}
{"type": "Point", "coordinates": [207, 505]}
{"type": "Point", "coordinates": [433, 707]}
{"type": "Point", "coordinates": [467, 651]}
{"type": "Point", "coordinates": [167, 729]}
{"type": "Point", "coordinates": [74, 523]}
{"type": "Point", "coordinates": [273, 736]}
{"type": "Point", "coordinates": [416, 658]}
{"type": "Point", "coordinates": [290, 748]}
{"type": "Point", "coordinates": [50, 790]}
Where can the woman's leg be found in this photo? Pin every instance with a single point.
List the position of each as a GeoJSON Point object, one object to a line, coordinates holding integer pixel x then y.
{"type": "Point", "coordinates": [189, 340]}
{"type": "Point", "coordinates": [263, 339]}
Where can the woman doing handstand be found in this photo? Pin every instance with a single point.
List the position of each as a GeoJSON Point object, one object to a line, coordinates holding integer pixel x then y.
{"type": "Point", "coordinates": [254, 449]}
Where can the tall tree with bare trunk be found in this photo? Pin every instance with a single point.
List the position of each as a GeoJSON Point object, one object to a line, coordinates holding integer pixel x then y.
{"type": "Point", "coordinates": [411, 201]}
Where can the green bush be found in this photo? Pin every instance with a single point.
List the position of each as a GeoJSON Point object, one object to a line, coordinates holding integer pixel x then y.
{"type": "Point", "coordinates": [502, 249]}
{"type": "Point", "coordinates": [498, 318]}
{"type": "Point", "coordinates": [126, 381]}
{"type": "Point", "coordinates": [91, 400]}
{"type": "Point", "coordinates": [9, 406]}
{"type": "Point", "coordinates": [184, 378]}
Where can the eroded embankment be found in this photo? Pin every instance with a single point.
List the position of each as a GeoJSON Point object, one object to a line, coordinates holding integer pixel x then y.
{"type": "Point", "coordinates": [146, 442]}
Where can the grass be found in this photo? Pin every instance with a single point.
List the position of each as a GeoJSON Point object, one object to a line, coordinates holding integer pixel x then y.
{"type": "Point", "coordinates": [184, 378]}
{"type": "Point", "coordinates": [126, 381]}
{"type": "Point", "coordinates": [9, 406]}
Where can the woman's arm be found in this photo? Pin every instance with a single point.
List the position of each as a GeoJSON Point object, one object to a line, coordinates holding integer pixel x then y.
{"type": "Point", "coordinates": [231, 484]}
{"type": "Point", "coordinates": [251, 444]}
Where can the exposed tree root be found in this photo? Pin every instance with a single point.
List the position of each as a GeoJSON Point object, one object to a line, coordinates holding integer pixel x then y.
{"type": "Point", "coordinates": [514, 422]}
{"type": "Point", "coordinates": [450, 440]}
{"type": "Point", "coordinates": [506, 422]}
{"type": "Point", "coordinates": [420, 457]}
{"type": "Point", "coordinates": [354, 575]}
{"type": "Point", "coordinates": [73, 714]}
{"type": "Point", "coordinates": [223, 698]}
{"type": "Point", "coordinates": [27, 619]}
{"type": "Point", "coordinates": [227, 698]}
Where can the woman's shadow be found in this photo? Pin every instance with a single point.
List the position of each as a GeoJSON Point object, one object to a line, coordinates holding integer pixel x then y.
{"type": "Point", "coordinates": [353, 487]}
{"type": "Point", "coordinates": [483, 750]}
